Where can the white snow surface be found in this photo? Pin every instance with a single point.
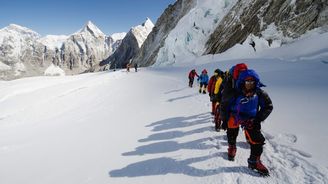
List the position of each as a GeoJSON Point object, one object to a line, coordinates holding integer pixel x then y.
{"type": "Point", "coordinates": [53, 70]}
{"type": "Point", "coordinates": [4, 67]}
{"type": "Point", "coordinates": [149, 127]}
{"type": "Point", "coordinates": [118, 36]}
{"type": "Point", "coordinates": [53, 41]}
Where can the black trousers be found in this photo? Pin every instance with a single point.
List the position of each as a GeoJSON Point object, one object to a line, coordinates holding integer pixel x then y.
{"type": "Point", "coordinates": [254, 137]}
{"type": "Point", "coordinates": [203, 84]}
{"type": "Point", "coordinates": [191, 81]}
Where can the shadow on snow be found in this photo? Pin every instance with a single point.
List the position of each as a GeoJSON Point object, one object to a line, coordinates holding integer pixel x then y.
{"type": "Point", "coordinates": [181, 97]}
{"type": "Point", "coordinates": [169, 146]}
{"type": "Point", "coordinates": [166, 165]}
{"type": "Point", "coordinates": [180, 122]}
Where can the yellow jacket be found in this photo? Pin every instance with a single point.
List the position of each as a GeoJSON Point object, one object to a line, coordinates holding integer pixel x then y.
{"type": "Point", "coordinates": [218, 85]}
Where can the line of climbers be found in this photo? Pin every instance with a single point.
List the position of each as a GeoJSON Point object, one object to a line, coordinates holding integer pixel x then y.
{"type": "Point", "coordinates": [238, 101]}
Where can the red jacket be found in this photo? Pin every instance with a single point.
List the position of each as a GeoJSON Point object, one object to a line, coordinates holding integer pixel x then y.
{"type": "Point", "coordinates": [211, 85]}
{"type": "Point", "coordinates": [192, 74]}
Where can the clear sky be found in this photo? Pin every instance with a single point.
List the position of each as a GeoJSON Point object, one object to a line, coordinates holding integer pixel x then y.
{"type": "Point", "coordinates": [68, 16]}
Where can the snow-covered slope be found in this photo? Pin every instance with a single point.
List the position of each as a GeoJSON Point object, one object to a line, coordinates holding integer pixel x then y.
{"type": "Point", "coordinates": [53, 70]}
{"type": "Point", "coordinates": [53, 41]}
{"type": "Point", "coordinates": [149, 127]}
{"type": "Point", "coordinates": [142, 31]}
{"type": "Point", "coordinates": [214, 26]}
{"type": "Point", "coordinates": [92, 29]}
{"type": "Point", "coordinates": [17, 30]}
{"type": "Point", "coordinates": [118, 36]}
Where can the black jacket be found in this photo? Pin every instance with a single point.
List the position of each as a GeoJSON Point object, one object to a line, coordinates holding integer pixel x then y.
{"type": "Point", "coordinates": [230, 93]}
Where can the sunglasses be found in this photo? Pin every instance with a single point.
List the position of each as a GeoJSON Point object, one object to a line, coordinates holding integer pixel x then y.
{"type": "Point", "coordinates": [249, 82]}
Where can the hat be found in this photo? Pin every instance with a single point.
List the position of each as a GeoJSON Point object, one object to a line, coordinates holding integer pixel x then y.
{"type": "Point", "coordinates": [249, 78]}
{"type": "Point", "coordinates": [217, 71]}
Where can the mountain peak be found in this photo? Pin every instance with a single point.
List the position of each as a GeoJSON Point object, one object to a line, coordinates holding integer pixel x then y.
{"type": "Point", "coordinates": [90, 24]}
{"type": "Point", "coordinates": [16, 26]}
{"type": "Point", "coordinates": [148, 23]}
{"type": "Point", "coordinates": [91, 28]}
{"type": "Point", "coordinates": [142, 31]}
{"type": "Point", "coordinates": [21, 30]}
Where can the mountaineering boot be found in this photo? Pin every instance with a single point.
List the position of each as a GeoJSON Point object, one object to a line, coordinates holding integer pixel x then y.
{"type": "Point", "coordinates": [232, 152]}
{"type": "Point", "coordinates": [200, 90]}
{"type": "Point", "coordinates": [254, 162]}
{"type": "Point", "coordinates": [204, 92]}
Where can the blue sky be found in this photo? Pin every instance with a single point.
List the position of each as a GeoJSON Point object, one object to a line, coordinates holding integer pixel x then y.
{"type": "Point", "coordinates": [68, 16]}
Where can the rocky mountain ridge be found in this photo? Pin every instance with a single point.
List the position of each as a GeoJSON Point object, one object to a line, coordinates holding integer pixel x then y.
{"type": "Point", "coordinates": [23, 52]}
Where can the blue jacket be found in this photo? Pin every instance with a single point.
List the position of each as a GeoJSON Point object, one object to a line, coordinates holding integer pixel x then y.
{"type": "Point", "coordinates": [203, 78]}
{"type": "Point", "coordinates": [258, 106]}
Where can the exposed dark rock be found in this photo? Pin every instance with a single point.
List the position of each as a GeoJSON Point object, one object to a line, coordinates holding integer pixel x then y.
{"type": "Point", "coordinates": [292, 20]}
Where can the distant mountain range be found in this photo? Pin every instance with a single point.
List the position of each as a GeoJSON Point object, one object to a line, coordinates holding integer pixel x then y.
{"type": "Point", "coordinates": [23, 52]}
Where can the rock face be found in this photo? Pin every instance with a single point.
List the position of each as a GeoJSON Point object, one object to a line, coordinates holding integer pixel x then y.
{"type": "Point", "coordinates": [129, 46]}
{"type": "Point", "coordinates": [191, 28]}
{"type": "Point", "coordinates": [83, 50]}
{"type": "Point", "coordinates": [291, 18]}
{"type": "Point", "coordinates": [24, 53]}
{"type": "Point", "coordinates": [167, 22]}
{"type": "Point", "coordinates": [17, 46]}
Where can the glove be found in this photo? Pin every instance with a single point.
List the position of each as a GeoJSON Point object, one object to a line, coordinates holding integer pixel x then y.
{"type": "Point", "coordinates": [224, 125]}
